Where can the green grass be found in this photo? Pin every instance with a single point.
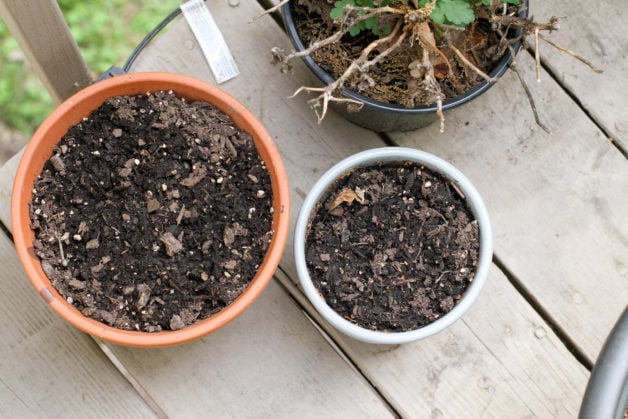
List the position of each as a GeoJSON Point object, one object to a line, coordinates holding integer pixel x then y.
{"type": "Point", "coordinates": [106, 32]}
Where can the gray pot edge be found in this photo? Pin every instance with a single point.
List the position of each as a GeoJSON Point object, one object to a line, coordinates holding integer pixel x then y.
{"type": "Point", "coordinates": [606, 395]}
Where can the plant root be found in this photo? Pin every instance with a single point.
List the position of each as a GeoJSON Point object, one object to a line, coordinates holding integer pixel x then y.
{"type": "Point", "coordinates": [472, 66]}
{"type": "Point", "coordinates": [571, 53]}
{"type": "Point", "coordinates": [285, 60]}
{"type": "Point", "coordinates": [269, 11]}
{"type": "Point", "coordinates": [414, 27]}
{"type": "Point", "coordinates": [361, 64]}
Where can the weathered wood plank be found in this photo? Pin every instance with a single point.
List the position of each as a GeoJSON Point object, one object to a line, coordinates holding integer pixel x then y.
{"type": "Point", "coordinates": [48, 368]}
{"type": "Point", "coordinates": [598, 33]}
{"type": "Point", "coordinates": [558, 202]}
{"type": "Point", "coordinates": [7, 174]}
{"type": "Point", "coordinates": [37, 25]}
{"type": "Point", "coordinates": [501, 360]}
{"type": "Point", "coordinates": [270, 362]}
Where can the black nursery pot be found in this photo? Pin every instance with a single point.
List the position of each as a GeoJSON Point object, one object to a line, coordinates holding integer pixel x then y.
{"type": "Point", "coordinates": [606, 395]}
{"type": "Point", "coordinates": [383, 117]}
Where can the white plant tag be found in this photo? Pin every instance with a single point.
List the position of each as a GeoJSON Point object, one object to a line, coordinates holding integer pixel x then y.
{"type": "Point", "coordinates": [210, 39]}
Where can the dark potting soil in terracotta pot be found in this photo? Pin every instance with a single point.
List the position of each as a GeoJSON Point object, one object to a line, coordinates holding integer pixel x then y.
{"type": "Point", "coordinates": [152, 213]}
{"type": "Point", "coordinates": [392, 247]}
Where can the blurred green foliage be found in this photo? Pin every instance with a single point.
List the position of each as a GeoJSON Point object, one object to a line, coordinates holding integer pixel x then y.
{"type": "Point", "coordinates": [106, 32]}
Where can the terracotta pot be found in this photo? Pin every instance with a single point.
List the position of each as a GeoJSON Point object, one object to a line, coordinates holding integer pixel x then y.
{"type": "Point", "coordinates": [81, 105]}
{"type": "Point", "coordinates": [384, 117]}
{"type": "Point", "coordinates": [365, 159]}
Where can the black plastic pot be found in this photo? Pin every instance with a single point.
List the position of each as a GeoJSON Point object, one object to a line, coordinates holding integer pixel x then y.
{"type": "Point", "coordinates": [380, 116]}
{"type": "Point", "coordinates": [607, 391]}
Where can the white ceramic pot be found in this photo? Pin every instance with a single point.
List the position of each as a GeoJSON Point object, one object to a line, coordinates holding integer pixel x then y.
{"type": "Point", "coordinates": [392, 154]}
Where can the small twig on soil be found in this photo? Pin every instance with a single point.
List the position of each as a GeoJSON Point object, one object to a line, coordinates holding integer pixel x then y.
{"type": "Point", "coordinates": [457, 189]}
{"type": "Point", "coordinates": [441, 276]}
{"type": "Point", "coordinates": [180, 216]}
{"type": "Point", "coordinates": [269, 11]}
{"type": "Point", "coordinates": [64, 261]}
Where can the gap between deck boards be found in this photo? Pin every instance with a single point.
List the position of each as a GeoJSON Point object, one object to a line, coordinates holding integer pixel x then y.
{"type": "Point", "coordinates": [287, 283]}
{"type": "Point", "coordinates": [134, 382]}
{"type": "Point", "coordinates": [295, 294]}
{"type": "Point", "coordinates": [4, 230]}
{"type": "Point", "coordinates": [562, 335]}
{"type": "Point", "coordinates": [530, 50]}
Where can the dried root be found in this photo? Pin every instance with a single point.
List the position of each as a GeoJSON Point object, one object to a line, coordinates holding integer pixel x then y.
{"type": "Point", "coordinates": [269, 11]}
{"type": "Point", "coordinates": [361, 64]}
{"type": "Point", "coordinates": [413, 26]}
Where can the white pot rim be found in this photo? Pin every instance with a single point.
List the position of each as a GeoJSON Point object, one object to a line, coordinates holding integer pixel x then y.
{"type": "Point", "coordinates": [388, 154]}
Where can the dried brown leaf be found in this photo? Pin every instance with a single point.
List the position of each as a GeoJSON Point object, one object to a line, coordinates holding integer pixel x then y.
{"type": "Point", "coordinates": [348, 196]}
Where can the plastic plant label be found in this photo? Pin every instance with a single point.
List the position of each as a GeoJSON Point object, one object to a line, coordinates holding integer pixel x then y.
{"type": "Point", "coordinates": [210, 39]}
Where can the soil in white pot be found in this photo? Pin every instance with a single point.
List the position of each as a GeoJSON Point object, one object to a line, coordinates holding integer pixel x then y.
{"type": "Point", "coordinates": [152, 213]}
{"type": "Point", "coordinates": [392, 247]}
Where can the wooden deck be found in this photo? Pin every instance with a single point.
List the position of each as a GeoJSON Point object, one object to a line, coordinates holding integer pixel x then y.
{"type": "Point", "coordinates": [558, 203]}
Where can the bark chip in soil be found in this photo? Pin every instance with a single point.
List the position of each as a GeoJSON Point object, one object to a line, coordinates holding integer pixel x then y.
{"type": "Point", "coordinates": [149, 216]}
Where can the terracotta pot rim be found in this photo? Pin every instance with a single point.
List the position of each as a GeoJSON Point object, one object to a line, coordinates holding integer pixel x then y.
{"type": "Point", "coordinates": [83, 103]}
{"type": "Point", "coordinates": [366, 158]}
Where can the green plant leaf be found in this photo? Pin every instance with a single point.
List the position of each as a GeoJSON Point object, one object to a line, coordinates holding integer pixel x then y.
{"type": "Point", "coordinates": [456, 12]}
{"type": "Point", "coordinates": [438, 15]}
{"type": "Point", "coordinates": [339, 8]}
{"type": "Point", "coordinates": [372, 24]}
{"type": "Point", "coordinates": [354, 30]}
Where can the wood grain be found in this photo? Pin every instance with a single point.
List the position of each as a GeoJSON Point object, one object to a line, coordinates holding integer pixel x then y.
{"type": "Point", "coordinates": [598, 34]}
{"type": "Point", "coordinates": [500, 360]}
{"type": "Point", "coordinates": [48, 368]}
{"type": "Point", "coordinates": [270, 362]}
{"type": "Point", "coordinates": [7, 174]}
